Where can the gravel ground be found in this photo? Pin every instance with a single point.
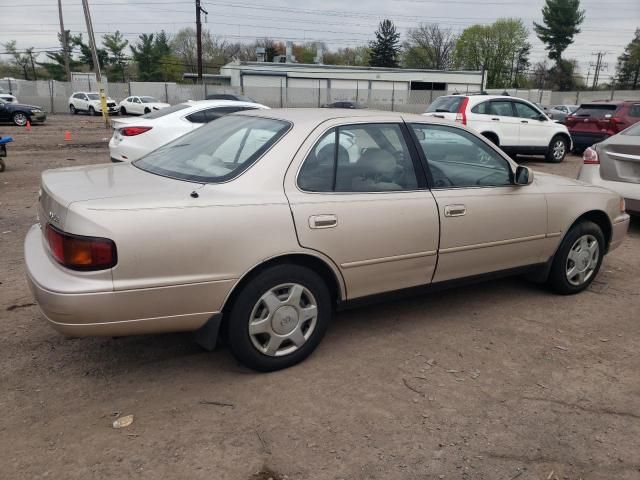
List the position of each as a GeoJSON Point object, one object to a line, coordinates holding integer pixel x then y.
{"type": "Point", "coordinates": [500, 380]}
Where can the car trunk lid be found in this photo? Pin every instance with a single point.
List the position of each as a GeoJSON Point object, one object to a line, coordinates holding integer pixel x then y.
{"type": "Point", "coordinates": [62, 187]}
{"type": "Point", "coordinates": [620, 158]}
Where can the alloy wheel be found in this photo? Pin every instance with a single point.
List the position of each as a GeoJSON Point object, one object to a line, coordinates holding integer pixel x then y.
{"type": "Point", "coordinates": [582, 260]}
{"type": "Point", "coordinates": [20, 119]}
{"type": "Point", "coordinates": [283, 319]}
{"type": "Point", "coordinates": [559, 149]}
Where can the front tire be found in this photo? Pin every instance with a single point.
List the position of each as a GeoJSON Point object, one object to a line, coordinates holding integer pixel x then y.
{"type": "Point", "coordinates": [279, 318]}
{"type": "Point", "coordinates": [92, 111]}
{"type": "Point", "coordinates": [558, 148]}
{"type": "Point", "coordinates": [578, 260]}
{"type": "Point", "coordinates": [146, 110]}
{"type": "Point", "coordinates": [72, 110]}
{"type": "Point", "coordinates": [20, 119]}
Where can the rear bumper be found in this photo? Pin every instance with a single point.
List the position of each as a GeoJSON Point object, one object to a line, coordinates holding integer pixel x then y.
{"type": "Point", "coordinates": [80, 306]}
{"type": "Point", "coordinates": [123, 152]}
{"type": "Point", "coordinates": [583, 140]}
{"type": "Point", "coordinates": [629, 191]}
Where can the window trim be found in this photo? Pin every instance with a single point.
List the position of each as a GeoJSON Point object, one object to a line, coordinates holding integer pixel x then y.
{"type": "Point", "coordinates": [491, 146]}
{"type": "Point", "coordinates": [423, 184]}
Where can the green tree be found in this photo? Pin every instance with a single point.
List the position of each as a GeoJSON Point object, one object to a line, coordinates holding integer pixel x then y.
{"type": "Point", "coordinates": [348, 56]}
{"type": "Point", "coordinates": [429, 46]}
{"type": "Point", "coordinates": [493, 48]}
{"type": "Point", "coordinates": [561, 19]}
{"type": "Point", "coordinates": [385, 49]}
{"type": "Point", "coordinates": [145, 55]}
{"type": "Point", "coordinates": [115, 45]}
{"type": "Point", "coordinates": [161, 44]}
{"type": "Point", "coordinates": [55, 65]}
{"type": "Point", "coordinates": [22, 61]}
{"type": "Point", "coordinates": [86, 58]}
{"type": "Point", "coordinates": [628, 67]}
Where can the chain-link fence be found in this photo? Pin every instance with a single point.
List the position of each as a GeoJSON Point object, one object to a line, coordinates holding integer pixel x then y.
{"type": "Point", "coordinates": [53, 96]}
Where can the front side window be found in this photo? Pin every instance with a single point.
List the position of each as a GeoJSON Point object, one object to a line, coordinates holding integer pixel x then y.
{"type": "Point", "coordinates": [93, 96]}
{"type": "Point", "coordinates": [458, 159]}
{"type": "Point", "coordinates": [525, 111]}
{"type": "Point", "coordinates": [217, 153]}
{"type": "Point", "coordinates": [359, 158]}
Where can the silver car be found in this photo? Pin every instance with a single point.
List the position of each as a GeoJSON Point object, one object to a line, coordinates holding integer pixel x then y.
{"type": "Point", "coordinates": [267, 221]}
{"type": "Point", "coordinates": [614, 163]}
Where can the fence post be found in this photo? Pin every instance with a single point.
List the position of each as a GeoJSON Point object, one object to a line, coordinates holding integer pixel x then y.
{"type": "Point", "coordinates": [281, 100]}
{"type": "Point", "coordinates": [51, 86]}
{"type": "Point", "coordinates": [577, 97]}
{"type": "Point", "coordinates": [318, 93]}
{"type": "Point", "coordinates": [129, 88]}
{"type": "Point", "coordinates": [613, 88]}
{"type": "Point", "coordinates": [393, 95]}
{"type": "Point", "coordinates": [166, 93]}
{"type": "Point", "coordinates": [205, 90]}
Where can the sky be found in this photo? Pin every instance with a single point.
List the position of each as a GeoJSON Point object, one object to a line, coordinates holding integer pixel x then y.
{"type": "Point", "coordinates": [608, 27]}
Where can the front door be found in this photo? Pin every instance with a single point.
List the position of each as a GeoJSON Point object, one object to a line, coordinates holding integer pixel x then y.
{"type": "Point", "coordinates": [360, 198]}
{"type": "Point", "coordinates": [535, 130]}
{"type": "Point", "coordinates": [487, 223]}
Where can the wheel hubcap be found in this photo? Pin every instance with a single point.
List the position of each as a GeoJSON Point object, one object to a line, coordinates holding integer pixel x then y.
{"type": "Point", "coordinates": [582, 260]}
{"type": "Point", "coordinates": [558, 149]}
{"type": "Point", "coordinates": [20, 119]}
{"type": "Point", "coordinates": [283, 319]}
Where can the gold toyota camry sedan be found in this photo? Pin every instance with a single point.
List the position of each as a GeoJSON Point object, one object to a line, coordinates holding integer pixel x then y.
{"type": "Point", "coordinates": [267, 221]}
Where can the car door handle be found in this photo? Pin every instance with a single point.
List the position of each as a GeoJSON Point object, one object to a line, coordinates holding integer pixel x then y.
{"type": "Point", "coordinates": [323, 221]}
{"type": "Point", "coordinates": [495, 119]}
{"type": "Point", "coordinates": [524, 121]}
{"type": "Point", "coordinates": [455, 210]}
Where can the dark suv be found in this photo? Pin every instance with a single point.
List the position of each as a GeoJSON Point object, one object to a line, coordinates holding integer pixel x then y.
{"type": "Point", "coordinates": [596, 121]}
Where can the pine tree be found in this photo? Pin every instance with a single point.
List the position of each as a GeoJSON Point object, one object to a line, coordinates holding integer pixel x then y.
{"type": "Point", "coordinates": [386, 47]}
{"type": "Point", "coordinates": [628, 68]}
{"type": "Point", "coordinates": [561, 20]}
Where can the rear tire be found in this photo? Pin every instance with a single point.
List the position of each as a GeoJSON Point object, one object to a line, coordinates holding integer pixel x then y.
{"type": "Point", "coordinates": [578, 260]}
{"type": "Point", "coordinates": [123, 111]}
{"type": "Point", "coordinates": [558, 148]}
{"type": "Point", "coordinates": [278, 318]}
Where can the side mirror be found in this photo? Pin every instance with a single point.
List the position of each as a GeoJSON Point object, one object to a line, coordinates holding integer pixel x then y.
{"type": "Point", "coordinates": [542, 117]}
{"type": "Point", "coordinates": [523, 176]}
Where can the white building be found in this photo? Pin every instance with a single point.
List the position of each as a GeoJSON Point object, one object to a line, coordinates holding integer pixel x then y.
{"type": "Point", "coordinates": [297, 84]}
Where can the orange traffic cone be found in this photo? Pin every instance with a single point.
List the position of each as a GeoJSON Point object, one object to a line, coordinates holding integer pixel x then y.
{"type": "Point", "coordinates": [28, 125]}
{"type": "Point", "coordinates": [67, 136]}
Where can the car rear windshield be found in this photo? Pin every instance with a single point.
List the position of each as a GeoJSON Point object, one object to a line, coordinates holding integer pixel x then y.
{"type": "Point", "coordinates": [166, 111]}
{"type": "Point", "coordinates": [445, 104]}
{"type": "Point", "coordinates": [632, 130]}
{"type": "Point", "coordinates": [595, 110]}
{"type": "Point", "coordinates": [216, 152]}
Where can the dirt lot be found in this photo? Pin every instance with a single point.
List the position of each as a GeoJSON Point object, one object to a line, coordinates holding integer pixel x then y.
{"type": "Point", "coordinates": [501, 380]}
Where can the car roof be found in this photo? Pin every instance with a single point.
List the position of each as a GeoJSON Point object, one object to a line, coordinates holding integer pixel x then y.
{"type": "Point", "coordinates": [319, 115]}
{"type": "Point", "coordinates": [221, 103]}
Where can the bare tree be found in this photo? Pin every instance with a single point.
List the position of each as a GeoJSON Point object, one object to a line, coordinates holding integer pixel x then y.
{"type": "Point", "coordinates": [430, 46]}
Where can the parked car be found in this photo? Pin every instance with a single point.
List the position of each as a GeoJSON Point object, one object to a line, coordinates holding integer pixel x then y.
{"type": "Point", "coordinates": [248, 224]}
{"type": "Point", "coordinates": [343, 104]}
{"type": "Point", "coordinates": [89, 102]}
{"type": "Point", "coordinates": [140, 105]}
{"type": "Point", "coordinates": [230, 96]}
{"type": "Point", "coordinates": [614, 163]}
{"type": "Point", "coordinates": [134, 137]}
{"type": "Point", "coordinates": [8, 98]}
{"type": "Point", "coordinates": [560, 112]}
{"type": "Point", "coordinates": [20, 114]}
{"type": "Point", "coordinates": [596, 121]}
{"type": "Point", "coordinates": [515, 125]}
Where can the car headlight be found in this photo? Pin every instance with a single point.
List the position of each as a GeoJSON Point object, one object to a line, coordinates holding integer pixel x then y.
{"type": "Point", "coordinates": [36, 110]}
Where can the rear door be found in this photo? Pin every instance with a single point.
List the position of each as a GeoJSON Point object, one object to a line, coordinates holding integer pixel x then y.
{"type": "Point", "coordinates": [506, 123]}
{"type": "Point", "coordinates": [372, 214]}
{"type": "Point", "coordinates": [620, 156]}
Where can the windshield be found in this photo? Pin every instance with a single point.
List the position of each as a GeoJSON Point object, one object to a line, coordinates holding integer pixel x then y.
{"type": "Point", "coordinates": [632, 130]}
{"type": "Point", "coordinates": [148, 100]}
{"type": "Point", "coordinates": [215, 152]}
{"type": "Point", "coordinates": [166, 111]}
{"type": "Point", "coordinates": [445, 104]}
{"type": "Point", "coordinates": [93, 96]}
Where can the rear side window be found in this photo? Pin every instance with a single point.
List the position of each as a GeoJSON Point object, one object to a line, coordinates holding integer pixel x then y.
{"type": "Point", "coordinates": [446, 104]}
{"type": "Point", "coordinates": [359, 158]}
{"type": "Point", "coordinates": [166, 111]}
{"type": "Point", "coordinates": [634, 110]}
{"type": "Point", "coordinates": [633, 130]}
{"type": "Point", "coordinates": [595, 110]}
{"type": "Point", "coordinates": [482, 108]}
{"type": "Point", "coordinates": [501, 108]}
{"type": "Point", "coordinates": [198, 117]}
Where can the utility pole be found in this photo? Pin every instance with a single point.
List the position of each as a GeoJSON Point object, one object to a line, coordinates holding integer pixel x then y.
{"type": "Point", "coordinates": [598, 66]}
{"type": "Point", "coordinates": [96, 64]}
{"type": "Point", "coordinates": [63, 36]}
{"type": "Point", "coordinates": [199, 10]}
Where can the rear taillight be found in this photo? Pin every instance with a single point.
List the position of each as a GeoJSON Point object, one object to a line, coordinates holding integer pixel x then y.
{"type": "Point", "coordinates": [81, 253]}
{"type": "Point", "coordinates": [590, 157]}
{"type": "Point", "coordinates": [461, 115]}
{"type": "Point", "coordinates": [133, 131]}
{"type": "Point", "coordinates": [570, 120]}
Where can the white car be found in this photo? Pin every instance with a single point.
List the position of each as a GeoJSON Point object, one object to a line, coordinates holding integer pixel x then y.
{"type": "Point", "coordinates": [90, 102]}
{"type": "Point", "coordinates": [8, 98]}
{"type": "Point", "coordinates": [140, 105]}
{"type": "Point", "coordinates": [515, 125]}
{"type": "Point", "coordinates": [134, 137]}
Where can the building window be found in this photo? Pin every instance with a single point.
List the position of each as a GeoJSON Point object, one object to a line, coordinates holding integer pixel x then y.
{"type": "Point", "coordinates": [428, 85]}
